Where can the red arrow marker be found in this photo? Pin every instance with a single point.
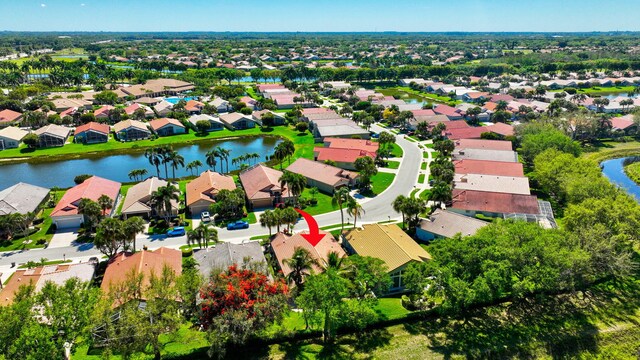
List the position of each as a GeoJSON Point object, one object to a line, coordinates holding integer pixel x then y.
{"type": "Point", "coordinates": [314, 236]}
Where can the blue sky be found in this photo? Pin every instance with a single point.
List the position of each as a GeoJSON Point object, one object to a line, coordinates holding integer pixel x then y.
{"type": "Point", "coordinates": [320, 15]}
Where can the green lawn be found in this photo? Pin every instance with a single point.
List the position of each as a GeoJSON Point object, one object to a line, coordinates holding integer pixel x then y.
{"type": "Point", "coordinates": [323, 205]}
{"type": "Point", "coordinates": [423, 166]}
{"type": "Point", "coordinates": [393, 164]}
{"type": "Point", "coordinates": [45, 231]}
{"type": "Point", "coordinates": [396, 151]}
{"type": "Point", "coordinates": [611, 150]}
{"type": "Point", "coordinates": [53, 262]}
{"type": "Point", "coordinates": [304, 144]}
{"type": "Point", "coordinates": [598, 90]}
{"type": "Point", "coordinates": [381, 181]}
{"type": "Point", "coordinates": [425, 154]}
{"type": "Point", "coordinates": [421, 179]}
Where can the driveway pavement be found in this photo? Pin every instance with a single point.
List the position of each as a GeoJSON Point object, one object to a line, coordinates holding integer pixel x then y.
{"type": "Point", "coordinates": [63, 238]}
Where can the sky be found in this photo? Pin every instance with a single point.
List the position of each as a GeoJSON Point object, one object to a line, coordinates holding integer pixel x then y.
{"type": "Point", "coordinates": [321, 15]}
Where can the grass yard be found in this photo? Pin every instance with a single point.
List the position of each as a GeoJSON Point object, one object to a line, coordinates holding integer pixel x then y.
{"type": "Point", "coordinates": [393, 164]}
{"type": "Point", "coordinates": [381, 181]}
{"type": "Point", "coordinates": [633, 172]}
{"type": "Point", "coordinates": [610, 150]}
{"type": "Point", "coordinates": [597, 90]}
{"type": "Point", "coordinates": [53, 262]}
{"type": "Point", "coordinates": [45, 232]}
{"type": "Point", "coordinates": [425, 154]}
{"type": "Point", "coordinates": [396, 151]}
{"type": "Point", "coordinates": [421, 179]}
{"type": "Point", "coordinates": [323, 205]}
{"type": "Point", "coordinates": [423, 166]}
{"type": "Point", "coordinates": [303, 142]}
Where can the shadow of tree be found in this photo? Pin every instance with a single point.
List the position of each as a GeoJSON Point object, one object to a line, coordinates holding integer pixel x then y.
{"type": "Point", "coordinates": [562, 326]}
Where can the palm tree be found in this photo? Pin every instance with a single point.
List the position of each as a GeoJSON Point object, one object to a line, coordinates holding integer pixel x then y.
{"type": "Point", "coordinates": [224, 155]}
{"type": "Point", "coordinates": [268, 219]}
{"type": "Point", "coordinates": [176, 160]}
{"type": "Point", "coordinates": [294, 182]}
{"type": "Point", "coordinates": [137, 174]}
{"type": "Point", "coordinates": [335, 261]}
{"type": "Point", "coordinates": [340, 197]}
{"type": "Point", "coordinates": [195, 165]}
{"type": "Point", "coordinates": [165, 154]}
{"type": "Point", "coordinates": [193, 237]}
{"type": "Point", "coordinates": [300, 263]}
{"type": "Point", "coordinates": [202, 234]}
{"type": "Point", "coordinates": [161, 200]}
{"type": "Point", "coordinates": [105, 203]}
{"type": "Point", "coordinates": [132, 227]}
{"type": "Point", "coordinates": [355, 209]}
{"type": "Point", "coordinates": [211, 159]}
{"type": "Point", "coordinates": [399, 205]}
{"type": "Point", "coordinates": [154, 158]}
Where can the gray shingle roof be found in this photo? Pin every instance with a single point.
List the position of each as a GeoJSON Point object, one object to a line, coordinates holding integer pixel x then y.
{"type": "Point", "coordinates": [226, 254]}
{"type": "Point", "coordinates": [21, 198]}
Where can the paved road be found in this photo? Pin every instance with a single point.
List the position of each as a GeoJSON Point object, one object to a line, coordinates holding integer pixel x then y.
{"type": "Point", "coordinates": [376, 209]}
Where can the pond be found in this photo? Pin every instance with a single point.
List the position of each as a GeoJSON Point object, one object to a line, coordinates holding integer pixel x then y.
{"type": "Point", "coordinates": [117, 167]}
{"type": "Point", "coordinates": [612, 96]}
{"type": "Point", "coordinates": [614, 171]}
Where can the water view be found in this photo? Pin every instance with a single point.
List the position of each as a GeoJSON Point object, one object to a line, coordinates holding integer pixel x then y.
{"type": "Point", "coordinates": [614, 171]}
{"type": "Point", "coordinates": [117, 167]}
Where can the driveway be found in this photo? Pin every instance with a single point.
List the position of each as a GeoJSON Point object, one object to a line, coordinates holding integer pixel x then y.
{"type": "Point", "coordinates": [63, 238]}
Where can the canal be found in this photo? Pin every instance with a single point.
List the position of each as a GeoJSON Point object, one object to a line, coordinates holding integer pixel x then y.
{"type": "Point", "coordinates": [614, 171]}
{"type": "Point", "coordinates": [117, 167]}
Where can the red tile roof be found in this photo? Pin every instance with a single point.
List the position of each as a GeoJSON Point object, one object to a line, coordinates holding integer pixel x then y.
{"type": "Point", "coordinates": [309, 111]}
{"type": "Point", "coordinates": [447, 110]}
{"type": "Point", "coordinates": [92, 188]}
{"type": "Point", "coordinates": [283, 247]}
{"type": "Point", "coordinates": [501, 128]}
{"type": "Point", "coordinates": [485, 167]}
{"type": "Point", "coordinates": [94, 126]}
{"type": "Point", "coordinates": [158, 124]}
{"type": "Point", "coordinates": [460, 124]}
{"type": "Point", "coordinates": [494, 202]}
{"type": "Point", "coordinates": [621, 122]}
{"type": "Point", "coordinates": [263, 87]}
{"type": "Point", "coordinates": [359, 144]}
{"type": "Point", "coordinates": [340, 155]}
{"type": "Point", "coordinates": [103, 111]}
{"type": "Point", "coordinates": [423, 112]}
{"type": "Point", "coordinates": [8, 115]}
{"type": "Point", "coordinates": [501, 97]}
{"type": "Point", "coordinates": [193, 105]}
{"type": "Point", "coordinates": [465, 133]}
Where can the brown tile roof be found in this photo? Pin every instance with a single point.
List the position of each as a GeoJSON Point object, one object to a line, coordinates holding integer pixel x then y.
{"type": "Point", "coordinates": [259, 180]}
{"type": "Point", "coordinates": [494, 202]}
{"type": "Point", "coordinates": [470, 166]}
{"type": "Point", "coordinates": [139, 195]}
{"type": "Point", "coordinates": [207, 185]}
{"type": "Point", "coordinates": [340, 155]}
{"type": "Point", "coordinates": [143, 262]}
{"type": "Point", "coordinates": [484, 144]}
{"type": "Point", "coordinates": [359, 144]}
{"type": "Point", "coordinates": [125, 124]}
{"type": "Point", "coordinates": [501, 128]}
{"type": "Point", "coordinates": [322, 173]}
{"type": "Point", "coordinates": [283, 247]}
{"type": "Point", "coordinates": [386, 242]}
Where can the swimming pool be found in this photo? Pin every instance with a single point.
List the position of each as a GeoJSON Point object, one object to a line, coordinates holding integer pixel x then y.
{"type": "Point", "coordinates": [175, 99]}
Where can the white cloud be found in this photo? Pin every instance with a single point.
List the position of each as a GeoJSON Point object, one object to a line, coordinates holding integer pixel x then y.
{"type": "Point", "coordinates": [43, 5]}
{"type": "Point", "coordinates": [82, 4]}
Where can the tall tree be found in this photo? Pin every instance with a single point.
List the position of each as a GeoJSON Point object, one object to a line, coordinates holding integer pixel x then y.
{"type": "Point", "coordinates": [301, 264]}
{"type": "Point", "coordinates": [162, 198]}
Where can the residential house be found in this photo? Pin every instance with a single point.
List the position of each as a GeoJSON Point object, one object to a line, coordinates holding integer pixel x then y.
{"type": "Point", "coordinates": [130, 130]}
{"type": "Point", "coordinates": [167, 127]}
{"type": "Point", "coordinates": [163, 108]}
{"type": "Point", "coordinates": [224, 255]}
{"type": "Point", "coordinates": [221, 105]}
{"type": "Point", "coordinates": [215, 124]}
{"type": "Point", "coordinates": [492, 204]}
{"type": "Point", "coordinates": [202, 191]}
{"type": "Point", "coordinates": [194, 107]}
{"type": "Point", "coordinates": [9, 117]}
{"type": "Point", "coordinates": [65, 215]}
{"type": "Point", "coordinates": [138, 199]}
{"type": "Point", "coordinates": [62, 104]}
{"type": "Point", "coordinates": [103, 112]}
{"type": "Point", "coordinates": [475, 96]}
{"type": "Point", "coordinates": [92, 133]}
{"type": "Point", "coordinates": [624, 124]}
{"type": "Point", "coordinates": [157, 87]}
{"type": "Point", "coordinates": [501, 129]}
{"type": "Point", "coordinates": [237, 121]}
{"type": "Point", "coordinates": [22, 198]}
{"type": "Point", "coordinates": [131, 109]}
{"type": "Point", "coordinates": [39, 276]}
{"type": "Point", "coordinates": [450, 112]}
{"type": "Point", "coordinates": [148, 101]}
{"type": "Point", "coordinates": [261, 184]}
{"type": "Point", "coordinates": [283, 247]}
{"type": "Point", "coordinates": [493, 183]}
{"type": "Point", "coordinates": [278, 119]}
{"type": "Point", "coordinates": [343, 158]}
{"type": "Point", "coordinates": [389, 244]}
{"type": "Point", "coordinates": [53, 135]}
{"type": "Point", "coordinates": [142, 263]}
{"type": "Point", "coordinates": [484, 144]}
{"type": "Point", "coordinates": [482, 154]}
{"type": "Point", "coordinates": [469, 166]}
{"type": "Point", "coordinates": [11, 137]}
{"type": "Point", "coordinates": [325, 177]}
{"type": "Point", "coordinates": [338, 128]}
{"type": "Point", "coordinates": [432, 120]}
{"type": "Point", "coordinates": [447, 224]}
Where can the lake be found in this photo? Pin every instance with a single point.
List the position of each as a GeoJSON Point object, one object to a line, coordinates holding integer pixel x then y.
{"type": "Point", "coordinates": [117, 167]}
{"type": "Point", "coordinates": [614, 171]}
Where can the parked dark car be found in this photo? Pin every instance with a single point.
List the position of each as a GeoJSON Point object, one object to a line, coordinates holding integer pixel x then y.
{"type": "Point", "coordinates": [238, 225]}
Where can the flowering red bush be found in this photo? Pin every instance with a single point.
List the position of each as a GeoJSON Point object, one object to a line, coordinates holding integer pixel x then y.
{"type": "Point", "coordinates": [247, 294]}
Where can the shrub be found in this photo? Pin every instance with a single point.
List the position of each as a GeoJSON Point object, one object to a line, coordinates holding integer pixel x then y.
{"type": "Point", "coordinates": [187, 252]}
